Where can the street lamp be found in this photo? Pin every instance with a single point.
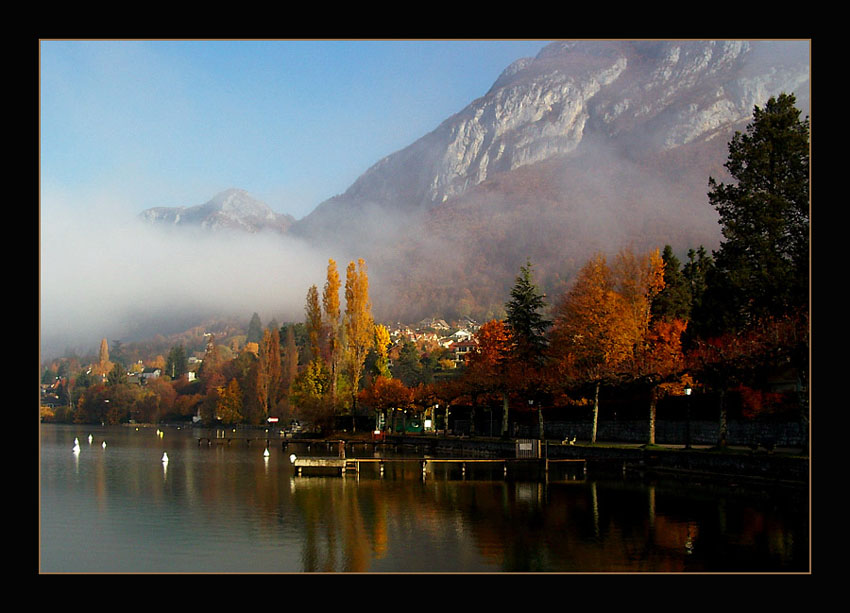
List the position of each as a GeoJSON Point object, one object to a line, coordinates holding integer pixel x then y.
{"type": "Point", "coordinates": [688, 417]}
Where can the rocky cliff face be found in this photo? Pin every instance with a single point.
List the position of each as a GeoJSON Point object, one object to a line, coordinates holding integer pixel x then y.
{"type": "Point", "coordinates": [644, 97]}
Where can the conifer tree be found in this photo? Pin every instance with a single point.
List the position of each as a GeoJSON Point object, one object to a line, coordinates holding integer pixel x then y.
{"type": "Point", "coordinates": [764, 259]}
{"type": "Point", "coordinates": [524, 319]}
{"type": "Point", "coordinates": [674, 301]}
{"type": "Point", "coordinates": [255, 330]}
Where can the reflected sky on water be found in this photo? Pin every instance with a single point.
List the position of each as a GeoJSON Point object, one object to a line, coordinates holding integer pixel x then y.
{"type": "Point", "coordinates": [227, 508]}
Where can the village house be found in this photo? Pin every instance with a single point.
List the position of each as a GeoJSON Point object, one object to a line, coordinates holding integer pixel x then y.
{"type": "Point", "coordinates": [460, 349]}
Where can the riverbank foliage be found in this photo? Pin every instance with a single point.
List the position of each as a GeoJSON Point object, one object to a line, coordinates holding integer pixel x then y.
{"type": "Point", "coordinates": [731, 326]}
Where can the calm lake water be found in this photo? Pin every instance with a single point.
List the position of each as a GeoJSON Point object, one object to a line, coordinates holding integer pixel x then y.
{"type": "Point", "coordinates": [217, 509]}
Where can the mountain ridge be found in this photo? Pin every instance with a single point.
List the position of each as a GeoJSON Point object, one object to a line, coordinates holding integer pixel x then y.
{"type": "Point", "coordinates": [588, 146]}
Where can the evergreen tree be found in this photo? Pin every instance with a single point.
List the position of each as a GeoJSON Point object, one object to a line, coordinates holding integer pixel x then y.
{"type": "Point", "coordinates": [674, 301]}
{"type": "Point", "coordinates": [524, 320]}
{"type": "Point", "coordinates": [255, 330]}
{"type": "Point", "coordinates": [764, 258]}
{"type": "Point", "coordinates": [176, 364]}
{"type": "Point", "coordinates": [117, 375]}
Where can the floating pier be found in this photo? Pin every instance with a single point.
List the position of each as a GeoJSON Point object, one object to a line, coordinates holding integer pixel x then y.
{"type": "Point", "coordinates": [349, 465]}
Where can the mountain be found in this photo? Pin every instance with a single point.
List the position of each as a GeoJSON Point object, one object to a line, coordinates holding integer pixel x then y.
{"type": "Point", "coordinates": [232, 209]}
{"type": "Point", "coordinates": [589, 146]}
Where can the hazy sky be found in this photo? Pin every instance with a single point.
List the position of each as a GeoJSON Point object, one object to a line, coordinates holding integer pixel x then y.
{"type": "Point", "coordinates": [167, 123]}
{"type": "Point", "coordinates": [129, 125]}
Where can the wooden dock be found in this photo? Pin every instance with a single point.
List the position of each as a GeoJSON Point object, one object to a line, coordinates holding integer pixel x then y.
{"type": "Point", "coordinates": [343, 465]}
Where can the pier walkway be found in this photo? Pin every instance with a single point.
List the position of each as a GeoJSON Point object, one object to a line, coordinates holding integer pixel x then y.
{"type": "Point", "coordinates": [347, 465]}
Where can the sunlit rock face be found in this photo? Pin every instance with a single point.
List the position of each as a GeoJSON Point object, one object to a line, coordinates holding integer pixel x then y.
{"type": "Point", "coordinates": [656, 95]}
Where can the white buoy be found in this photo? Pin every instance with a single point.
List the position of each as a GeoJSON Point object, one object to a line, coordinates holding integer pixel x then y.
{"type": "Point", "coordinates": [104, 445]}
{"type": "Point", "coordinates": [164, 457]}
{"type": "Point", "coordinates": [266, 453]}
{"type": "Point", "coordinates": [90, 439]}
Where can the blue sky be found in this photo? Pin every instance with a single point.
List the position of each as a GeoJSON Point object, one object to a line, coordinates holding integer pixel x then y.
{"type": "Point", "coordinates": [129, 125]}
{"type": "Point", "coordinates": [136, 124]}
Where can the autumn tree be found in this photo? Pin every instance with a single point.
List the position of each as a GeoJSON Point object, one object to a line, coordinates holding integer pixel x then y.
{"type": "Point", "coordinates": [331, 307]}
{"type": "Point", "coordinates": [382, 344]}
{"type": "Point", "coordinates": [386, 394]}
{"type": "Point", "coordinates": [229, 408]}
{"type": "Point", "coordinates": [488, 366]}
{"type": "Point", "coordinates": [638, 279]}
{"type": "Point", "coordinates": [104, 365]}
{"type": "Point", "coordinates": [270, 359]}
{"type": "Point", "coordinates": [309, 393]}
{"type": "Point", "coordinates": [313, 320]}
{"type": "Point", "coordinates": [358, 325]}
{"type": "Point", "coordinates": [211, 363]}
{"type": "Point", "coordinates": [748, 357]}
{"type": "Point", "coordinates": [592, 334]}
{"type": "Point", "coordinates": [289, 369]}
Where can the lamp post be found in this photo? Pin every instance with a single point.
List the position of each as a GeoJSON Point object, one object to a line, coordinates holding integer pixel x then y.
{"type": "Point", "coordinates": [688, 417]}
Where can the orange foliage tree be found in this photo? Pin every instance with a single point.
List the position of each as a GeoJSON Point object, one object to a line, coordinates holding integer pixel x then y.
{"type": "Point", "coordinates": [488, 368]}
{"type": "Point", "coordinates": [591, 334]}
{"type": "Point", "coordinates": [750, 356]}
{"type": "Point", "coordinates": [386, 394]}
{"type": "Point", "coordinates": [604, 331]}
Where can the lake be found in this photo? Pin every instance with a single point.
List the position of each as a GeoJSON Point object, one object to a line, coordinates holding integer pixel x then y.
{"type": "Point", "coordinates": [228, 509]}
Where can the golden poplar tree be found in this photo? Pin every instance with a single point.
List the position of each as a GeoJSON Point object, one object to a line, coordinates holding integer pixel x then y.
{"type": "Point", "coordinates": [103, 365]}
{"type": "Point", "coordinates": [382, 343]}
{"type": "Point", "coordinates": [314, 322]}
{"type": "Point", "coordinates": [358, 324]}
{"type": "Point", "coordinates": [330, 302]}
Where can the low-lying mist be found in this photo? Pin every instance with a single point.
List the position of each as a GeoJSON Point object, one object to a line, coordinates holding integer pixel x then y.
{"type": "Point", "coordinates": [104, 275]}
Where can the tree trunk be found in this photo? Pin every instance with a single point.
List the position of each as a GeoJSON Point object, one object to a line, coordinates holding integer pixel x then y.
{"type": "Point", "coordinates": [504, 414]}
{"type": "Point", "coordinates": [724, 425]}
{"type": "Point", "coordinates": [540, 422]}
{"type": "Point", "coordinates": [595, 413]}
{"type": "Point", "coordinates": [653, 401]}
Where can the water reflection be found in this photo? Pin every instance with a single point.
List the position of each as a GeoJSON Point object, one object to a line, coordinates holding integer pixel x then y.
{"type": "Point", "coordinates": [234, 508]}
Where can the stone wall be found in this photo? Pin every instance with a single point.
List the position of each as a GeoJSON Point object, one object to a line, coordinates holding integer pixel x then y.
{"type": "Point", "coordinates": [782, 434]}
